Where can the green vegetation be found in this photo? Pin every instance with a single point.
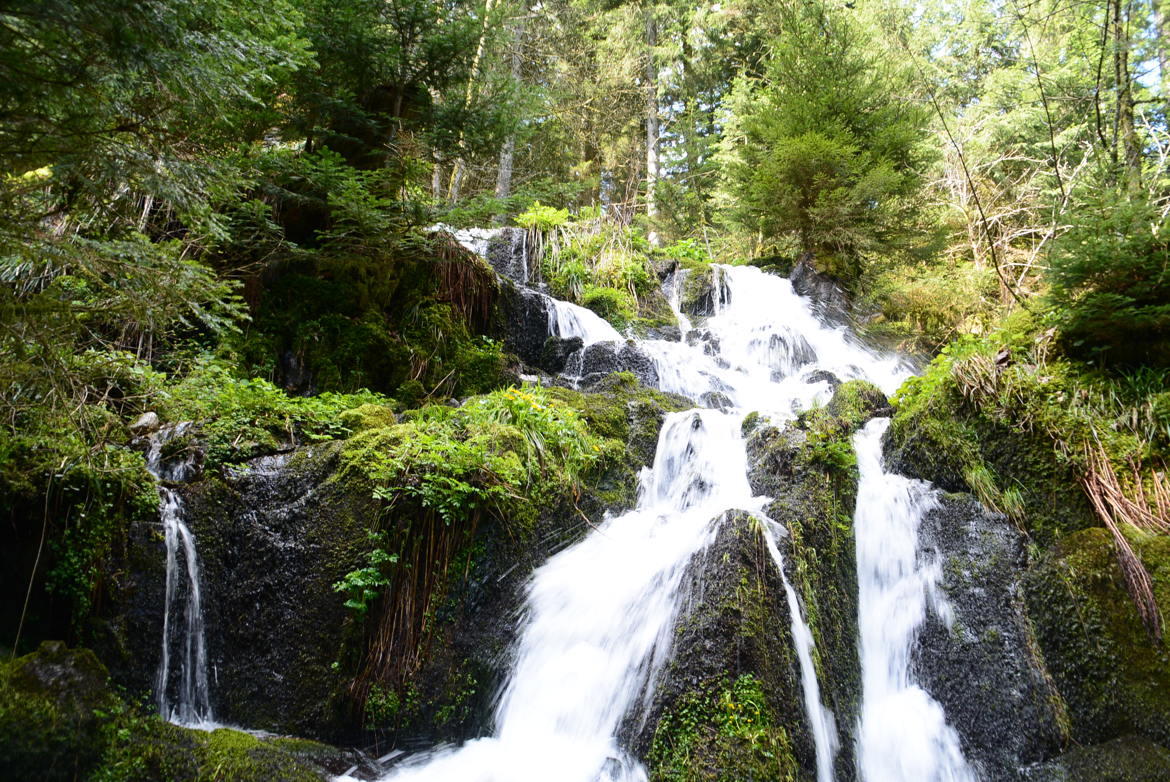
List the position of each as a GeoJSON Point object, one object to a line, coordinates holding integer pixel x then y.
{"type": "Point", "coordinates": [724, 732]}
{"type": "Point", "coordinates": [61, 720]}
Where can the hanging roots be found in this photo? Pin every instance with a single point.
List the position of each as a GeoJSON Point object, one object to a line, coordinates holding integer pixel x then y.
{"type": "Point", "coordinates": [465, 282]}
{"type": "Point", "coordinates": [1116, 508]}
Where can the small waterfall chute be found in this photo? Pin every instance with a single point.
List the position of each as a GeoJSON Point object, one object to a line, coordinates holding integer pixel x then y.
{"type": "Point", "coordinates": [185, 640]}
{"type": "Point", "coordinates": [902, 732]}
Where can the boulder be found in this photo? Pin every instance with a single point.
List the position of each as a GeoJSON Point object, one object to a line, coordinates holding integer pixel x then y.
{"type": "Point", "coordinates": [146, 424]}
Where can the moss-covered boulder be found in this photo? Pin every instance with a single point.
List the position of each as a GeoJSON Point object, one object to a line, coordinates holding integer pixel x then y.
{"type": "Point", "coordinates": [809, 470]}
{"type": "Point", "coordinates": [50, 702]}
{"type": "Point", "coordinates": [60, 720]}
{"type": "Point", "coordinates": [729, 706]}
{"type": "Point", "coordinates": [1114, 678]}
{"type": "Point", "coordinates": [1129, 759]}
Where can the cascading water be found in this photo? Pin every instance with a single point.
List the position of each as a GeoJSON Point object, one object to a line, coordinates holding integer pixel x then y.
{"type": "Point", "coordinates": [568, 320]}
{"type": "Point", "coordinates": [192, 703]}
{"type": "Point", "coordinates": [598, 617]}
{"type": "Point", "coordinates": [902, 733]}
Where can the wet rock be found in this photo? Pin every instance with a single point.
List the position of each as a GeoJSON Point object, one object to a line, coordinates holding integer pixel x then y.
{"type": "Point", "coordinates": [524, 321]}
{"type": "Point", "coordinates": [732, 645]}
{"type": "Point", "coordinates": [147, 424]}
{"type": "Point", "coordinates": [669, 332]}
{"type": "Point", "coordinates": [823, 376]}
{"type": "Point", "coordinates": [603, 358]}
{"type": "Point", "coordinates": [788, 352]}
{"type": "Point", "coordinates": [716, 399]}
{"type": "Point", "coordinates": [507, 252]}
{"type": "Point", "coordinates": [705, 293]}
{"type": "Point", "coordinates": [984, 667]}
{"type": "Point", "coordinates": [557, 351]}
{"type": "Point", "coordinates": [830, 301]}
{"type": "Point", "coordinates": [1129, 759]}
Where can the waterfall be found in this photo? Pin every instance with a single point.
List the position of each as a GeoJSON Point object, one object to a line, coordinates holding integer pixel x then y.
{"type": "Point", "coordinates": [567, 320]}
{"type": "Point", "coordinates": [192, 705]}
{"type": "Point", "coordinates": [598, 619]}
{"type": "Point", "coordinates": [902, 732]}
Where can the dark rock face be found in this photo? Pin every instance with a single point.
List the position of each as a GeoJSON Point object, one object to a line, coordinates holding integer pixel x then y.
{"type": "Point", "coordinates": [985, 669]}
{"type": "Point", "coordinates": [704, 294]}
{"type": "Point", "coordinates": [524, 321]}
{"type": "Point", "coordinates": [828, 297]}
{"type": "Point", "coordinates": [1129, 759]}
{"type": "Point", "coordinates": [273, 539]}
{"type": "Point", "coordinates": [557, 351]}
{"type": "Point", "coordinates": [600, 359]}
{"type": "Point", "coordinates": [507, 252]}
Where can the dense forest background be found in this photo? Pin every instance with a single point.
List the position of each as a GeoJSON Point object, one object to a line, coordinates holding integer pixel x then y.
{"type": "Point", "coordinates": [220, 211]}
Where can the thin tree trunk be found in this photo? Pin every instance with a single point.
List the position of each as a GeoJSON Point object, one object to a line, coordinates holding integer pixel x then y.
{"type": "Point", "coordinates": [460, 167]}
{"type": "Point", "coordinates": [1160, 48]}
{"type": "Point", "coordinates": [651, 121]}
{"type": "Point", "coordinates": [1125, 134]}
{"type": "Point", "coordinates": [508, 151]}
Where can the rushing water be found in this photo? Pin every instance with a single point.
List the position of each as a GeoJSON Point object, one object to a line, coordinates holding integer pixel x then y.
{"type": "Point", "coordinates": [598, 617]}
{"type": "Point", "coordinates": [903, 733]}
{"type": "Point", "coordinates": [568, 320]}
{"type": "Point", "coordinates": [185, 639]}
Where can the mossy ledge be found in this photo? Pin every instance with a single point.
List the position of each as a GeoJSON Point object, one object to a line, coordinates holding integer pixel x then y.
{"type": "Point", "coordinates": [61, 720]}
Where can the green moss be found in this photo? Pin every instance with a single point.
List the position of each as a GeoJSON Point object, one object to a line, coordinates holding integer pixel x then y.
{"type": "Point", "coordinates": [227, 754]}
{"type": "Point", "coordinates": [367, 416]}
{"type": "Point", "coordinates": [1003, 452]}
{"type": "Point", "coordinates": [1113, 676]}
{"type": "Point", "coordinates": [60, 720]}
{"type": "Point", "coordinates": [722, 731]}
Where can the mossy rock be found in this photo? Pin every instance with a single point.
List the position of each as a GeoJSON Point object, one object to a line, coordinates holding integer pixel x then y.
{"type": "Point", "coordinates": [937, 435]}
{"type": "Point", "coordinates": [50, 702]}
{"type": "Point", "coordinates": [365, 417]}
{"type": "Point", "coordinates": [1128, 759]}
{"type": "Point", "coordinates": [1113, 676]}
{"type": "Point", "coordinates": [60, 720]}
{"type": "Point", "coordinates": [728, 706]}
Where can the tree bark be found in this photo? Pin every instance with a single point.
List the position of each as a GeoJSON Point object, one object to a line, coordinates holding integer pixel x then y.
{"type": "Point", "coordinates": [651, 121]}
{"type": "Point", "coordinates": [460, 168]}
{"type": "Point", "coordinates": [508, 151]}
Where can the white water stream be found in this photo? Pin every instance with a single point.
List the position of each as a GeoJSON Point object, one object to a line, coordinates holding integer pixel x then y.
{"type": "Point", "coordinates": [902, 733]}
{"type": "Point", "coordinates": [598, 621]}
{"type": "Point", "coordinates": [191, 706]}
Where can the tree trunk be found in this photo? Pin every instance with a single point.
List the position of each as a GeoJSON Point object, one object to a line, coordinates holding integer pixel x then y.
{"type": "Point", "coordinates": [651, 122]}
{"type": "Point", "coordinates": [1160, 48]}
{"type": "Point", "coordinates": [460, 168]}
{"type": "Point", "coordinates": [508, 151]}
{"type": "Point", "coordinates": [1125, 136]}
